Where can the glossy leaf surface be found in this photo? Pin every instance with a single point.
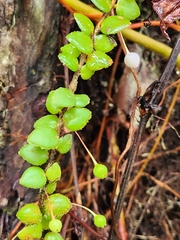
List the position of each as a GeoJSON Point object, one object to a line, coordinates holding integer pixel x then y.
{"type": "Point", "coordinates": [76, 118]}
{"type": "Point", "coordinates": [86, 73]}
{"type": "Point", "coordinates": [84, 23]}
{"type": "Point", "coordinates": [114, 24]}
{"type": "Point", "coordinates": [103, 5]}
{"type": "Point", "coordinates": [69, 60]}
{"type": "Point", "coordinates": [81, 41]}
{"type": "Point", "coordinates": [104, 43]}
{"type": "Point", "coordinates": [58, 99]}
{"type": "Point", "coordinates": [127, 9]}
{"type": "Point", "coordinates": [70, 49]}
{"type": "Point", "coordinates": [98, 60]}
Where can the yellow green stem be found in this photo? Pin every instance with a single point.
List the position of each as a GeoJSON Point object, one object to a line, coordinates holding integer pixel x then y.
{"type": "Point", "coordinates": [89, 210]}
{"type": "Point", "coordinates": [81, 7]}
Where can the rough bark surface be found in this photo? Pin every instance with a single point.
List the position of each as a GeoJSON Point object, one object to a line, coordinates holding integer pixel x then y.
{"type": "Point", "coordinates": [28, 45]}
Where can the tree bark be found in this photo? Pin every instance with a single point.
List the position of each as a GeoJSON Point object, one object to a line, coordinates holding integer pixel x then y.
{"type": "Point", "coordinates": [28, 50]}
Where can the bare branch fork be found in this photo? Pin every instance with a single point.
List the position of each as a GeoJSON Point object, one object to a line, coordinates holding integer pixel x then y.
{"type": "Point", "coordinates": [148, 105]}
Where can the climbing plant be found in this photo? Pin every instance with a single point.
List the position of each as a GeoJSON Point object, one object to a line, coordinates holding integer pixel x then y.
{"type": "Point", "coordinates": [86, 52]}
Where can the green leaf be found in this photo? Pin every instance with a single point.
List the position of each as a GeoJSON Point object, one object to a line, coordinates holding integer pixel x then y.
{"type": "Point", "coordinates": [51, 107]}
{"type": "Point", "coordinates": [34, 155]}
{"type": "Point", "coordinates": [51, 187]}
{"type": "Point", "coordinates": [65, 143]}
{"type": "Point", "coordinates": [33, 177]}
{"type": "Point", "coordinates": [84, 23]}
{"type": "Point", "coordinates": [57, 204]}
{"type": "Point", "coordinates": [31, 232]}
{"type": "Point", "coordinates": [81, 41]}
{"type": "Point", "coordinates": [45, 137]}
{"type": "Point", "coordinates": [69, 60]}
{"type": "Point", "coordinates": [81, 100]}
{"type": "Point", "coordinates": [47, 121]}
{"type": "Point", "coordinates": [63, 97]}
{"type": "Point", "coordinates": [127, 9]}
{"type": "Point", "coordinates": [114, 24]}
{"type": "Point", "coordinates": [98, 60]}
{"type": "Point", "coordinates": [53, 236]}
{"type": "Point", "coordinates": [53, 173]}
{"type": "Point", "coordinates": [70, 49]}
{"type": "Point", "coordinates": [104, 43]}
{"type": "Point", "coordinates": [29, 214]}
{"type": "Point", "coordinates": [76, 118]}
{"type": "Point", "coordinates": [86, 73]}
{"type": "Point", "coordinates": [103, 5]}
{"type": "Point", "coordinates": [58, 99]}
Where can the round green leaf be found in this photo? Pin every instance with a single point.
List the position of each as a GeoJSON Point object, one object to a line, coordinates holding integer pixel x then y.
{"type": "Point", "coordinates": [84, 23]}
{"type": "Point", "coordinates": [76, 118]}
{"type": "Point", "coordinates": [64, 97]}
{"type": "Point", "coordinates": [70, 49]}
{"type": "Point", "coordinates": [53, 236]}
{"type": "Point", "coordinates": [58, 99]}
{"type": "Point", "coordinates": [58, 204]}
{"type": "Point", "coordinates": [47, 121]}
{"type": "Point", "coordinates": [53, 173]}
{"type": "Point", "coordinates": [98, 60]}
{"type": "Point", "coordinates": [51, 187]}
{"type": "Point", "coordinates": [31, 232]}
{"type": "Point", "coordinates": [33, 177]}
{"type": "Point", "coordinates": [51, 107]}
{"type": "Point", "coordinates": [69, 60]}
{"type": "Point", "coordinates": [86, 73]}
{"type": "Point", "coordinates": [114, 24]}
{"type": "Point", "coordinates": [81, 100]}
{"type": "Point", "coordinates": [45, 222]}
{"type": "Point", "coordinates": [104, 43]}
{"type": "Point", "coordinates": [127, 9]}
{"type": "Point", "coordinates": [103, 5]}
{"type": "Point", "coordinates": [81, 41]}
{"type": "Point", "coordinates": [34, 155]}
{"type": "Point", "coordinates": [29, 214]}
{"type": "Point", "coordinates": [65, 143]}
{"type": "Point", "coordinates": [45, 137]}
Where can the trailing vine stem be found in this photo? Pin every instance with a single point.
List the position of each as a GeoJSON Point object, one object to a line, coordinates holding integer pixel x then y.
{"type": "Point", "coordinates": [154, 100]}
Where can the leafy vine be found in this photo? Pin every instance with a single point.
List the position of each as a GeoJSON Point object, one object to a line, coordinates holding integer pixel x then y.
{"type": "Point", "coordinates": [85, 54]}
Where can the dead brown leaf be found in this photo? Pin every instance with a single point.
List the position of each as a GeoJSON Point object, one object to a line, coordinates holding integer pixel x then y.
{"type": "Point", "coordinates": [168, 11]}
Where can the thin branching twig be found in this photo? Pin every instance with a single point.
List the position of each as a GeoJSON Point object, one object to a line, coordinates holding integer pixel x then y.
{"type": "Point", "coordinates": [154, 99]}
